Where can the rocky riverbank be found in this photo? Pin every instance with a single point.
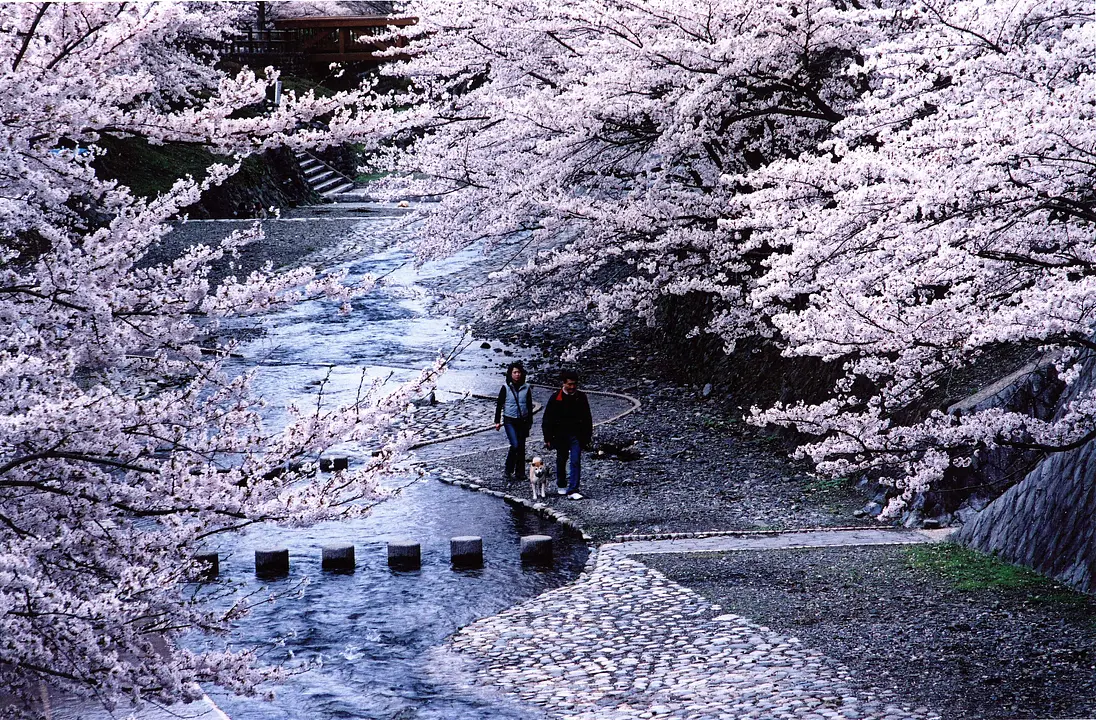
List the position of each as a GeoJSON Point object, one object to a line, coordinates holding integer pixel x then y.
{"type": "Point", "coordinates": [685, 462]}
{"type": "Point", "coordinates": [904, 627]}
{"type": "Point", "coordinates": [970, 646]}
{"type": "Point", "coordinates": [929, 633]}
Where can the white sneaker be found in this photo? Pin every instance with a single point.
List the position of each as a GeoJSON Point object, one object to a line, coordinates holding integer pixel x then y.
{"type": "Point", "coordinates": [561, 491]}
{"type": "Point", "coordinates": [575, 496]}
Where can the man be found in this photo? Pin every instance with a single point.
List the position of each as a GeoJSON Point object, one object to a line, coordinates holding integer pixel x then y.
{"type": "Point", "coordinates": [568, 428]}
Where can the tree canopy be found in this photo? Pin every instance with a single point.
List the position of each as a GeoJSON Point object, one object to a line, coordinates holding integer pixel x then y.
{"type": "Point", "coordinates": [124, 446]}
{"type": "Point", "coordinates": [892, 186]}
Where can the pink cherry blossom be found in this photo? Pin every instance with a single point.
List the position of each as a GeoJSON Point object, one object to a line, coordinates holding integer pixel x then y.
{"type": "Point", "coordinates": [124, 446]}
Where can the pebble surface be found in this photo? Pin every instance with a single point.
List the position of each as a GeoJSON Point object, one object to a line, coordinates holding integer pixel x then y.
{"type": "Point", "coordinates": [432, 423]}
{"type": "Point", "coordinates": [625, 642]}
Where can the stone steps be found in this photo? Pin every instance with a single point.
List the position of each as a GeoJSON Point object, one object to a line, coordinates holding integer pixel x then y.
{"type": "Point", "coordinates": [321, 177]}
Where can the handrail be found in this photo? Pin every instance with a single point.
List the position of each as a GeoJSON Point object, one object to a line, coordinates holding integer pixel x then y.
{"type": "Point", "coordinates": [320, 38]}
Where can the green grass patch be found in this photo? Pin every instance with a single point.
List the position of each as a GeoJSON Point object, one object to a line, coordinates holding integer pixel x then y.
{"type": "Point", "coordinates": [971, 570]}
{"type": "Point", "coordinates": [149, 170]}
{"type": "Point", "coordinates": [828, 484]}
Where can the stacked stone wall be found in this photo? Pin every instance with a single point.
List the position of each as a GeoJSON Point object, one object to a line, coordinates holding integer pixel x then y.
{"type": "Point", "coordinates": [1047, 521]}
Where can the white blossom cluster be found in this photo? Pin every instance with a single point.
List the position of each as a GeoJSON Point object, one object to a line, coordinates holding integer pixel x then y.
{"type": "Point", "coordinates": [951, 211]}
{"type": "Point", "coordinates": [892, 186]}
{"type": "Point", "coordinates": [124, 447]}
{"type": "Point", "coordinates": [601, 131]}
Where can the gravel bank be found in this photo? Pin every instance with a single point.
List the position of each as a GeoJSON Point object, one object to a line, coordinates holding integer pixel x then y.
{"type": "Point", "coordinates": [905, 632]}
{"type": "Point", "coordinates": [901, 627]}
{"type": "Point", "coordinates": [318, 235]}
{"type": "Point", "coordinates": [676, 465]}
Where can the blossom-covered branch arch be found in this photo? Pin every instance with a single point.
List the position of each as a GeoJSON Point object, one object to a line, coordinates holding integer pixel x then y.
{"type": "Point", "coordinates": [598, 132]}
{"type": "Point", "coordinates": [951, 212]}
{"type": "Point", "coordinates": [123, 443]}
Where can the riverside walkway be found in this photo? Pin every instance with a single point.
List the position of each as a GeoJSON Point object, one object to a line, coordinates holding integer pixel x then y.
{"type": "Point", "coordinates": [623, 641]}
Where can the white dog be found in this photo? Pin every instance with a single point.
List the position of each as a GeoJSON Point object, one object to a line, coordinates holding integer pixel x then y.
{"type": "Point", "coordinates": [538, 478]}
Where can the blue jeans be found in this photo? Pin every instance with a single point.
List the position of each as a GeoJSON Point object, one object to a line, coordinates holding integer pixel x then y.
{"type": "Point", "coordinates": [569, 457]}
{"type": "Point", "coordinates": [516, 432]}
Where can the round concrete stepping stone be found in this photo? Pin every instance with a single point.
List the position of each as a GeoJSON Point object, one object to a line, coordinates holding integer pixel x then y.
{"type": "Point", "coordinates": [404, 555]}
{"type": "Point", "coordinates": [466, 552]}
{"type": "Point", "coordinates": [272, 563]}
{"type": "Point", "coordinates": [536, 549]}
{"type": "Point", "coordinates": [337, 557]}
{"type": "Point", "coordinates": [208, 566]}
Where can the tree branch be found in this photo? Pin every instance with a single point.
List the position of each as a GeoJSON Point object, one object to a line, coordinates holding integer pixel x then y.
{"type": "Point", "coordinates": [30, 34]}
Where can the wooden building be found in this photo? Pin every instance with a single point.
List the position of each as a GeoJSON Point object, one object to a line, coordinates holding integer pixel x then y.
{"type": "Point", "coordinates": [319, 41]}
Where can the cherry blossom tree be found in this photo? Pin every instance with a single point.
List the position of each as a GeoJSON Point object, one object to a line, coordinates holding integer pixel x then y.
{"type": "Point", "coordinates": [599, 133]}
{"type": "Point", "coordinates": [895, 187]}
{"type": "Point", "coordinates": [951, 212]}
{"type": "Point", "coordinates": [124, 445]}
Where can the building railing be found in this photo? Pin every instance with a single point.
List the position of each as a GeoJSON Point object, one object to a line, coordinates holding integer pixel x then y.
{"type": "Point", "coordinates": [319, 39]}
{"type": "Point", "coordinates": [264, 42]}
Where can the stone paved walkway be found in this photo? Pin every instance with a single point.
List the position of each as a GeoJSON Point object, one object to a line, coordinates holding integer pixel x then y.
{"type": "Point", "coordinates": [432, 423]}
{"type": "Point", "coordinates": [625, 642]}
{"type": "Point", "coordinates": [782, 540]}
{"type": "Point", "coordinates": [606, 407]}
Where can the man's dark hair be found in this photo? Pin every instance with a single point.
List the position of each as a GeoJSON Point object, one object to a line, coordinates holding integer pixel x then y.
{"type": "Point", "coordinates": [565, 375]}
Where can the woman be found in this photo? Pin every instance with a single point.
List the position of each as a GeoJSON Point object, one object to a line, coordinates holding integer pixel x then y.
{"type": "Point", "coordinates": [514, 411]}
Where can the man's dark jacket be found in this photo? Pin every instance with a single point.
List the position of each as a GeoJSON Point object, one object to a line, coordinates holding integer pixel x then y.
{"type": "Point", "coordinates": [567, 416]}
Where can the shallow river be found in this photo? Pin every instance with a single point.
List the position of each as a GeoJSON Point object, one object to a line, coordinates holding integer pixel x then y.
{"type": "Point", "coordinates": [375, 631]}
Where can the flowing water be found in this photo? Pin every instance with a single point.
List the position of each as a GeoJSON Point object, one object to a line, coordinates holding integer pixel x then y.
{"type": "Point", "coordinates": [373, 634]}
{"type": "Point", "coordinates": [373, 630]}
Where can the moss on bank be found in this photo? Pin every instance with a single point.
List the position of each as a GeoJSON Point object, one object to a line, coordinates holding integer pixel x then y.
{"type": "Point", "coordinates": [272, 179]}
{"type": "Point", "coordinates": [970, 570]}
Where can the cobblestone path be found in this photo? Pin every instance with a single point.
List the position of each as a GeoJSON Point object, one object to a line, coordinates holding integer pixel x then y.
{"type": "Point", "coordinates": [624, 642]}
{"type": "Point", "coordinates": [456, 417]}
{"type": "Point", "coordinates": [477, 413]}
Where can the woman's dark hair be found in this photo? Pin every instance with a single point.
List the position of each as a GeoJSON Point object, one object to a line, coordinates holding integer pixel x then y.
{"type": "Point", "coordinates": [520, 367]}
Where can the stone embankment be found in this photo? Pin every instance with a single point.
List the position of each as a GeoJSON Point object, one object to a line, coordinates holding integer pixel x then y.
{"type": "Point", "coordinates": [1047, 521]}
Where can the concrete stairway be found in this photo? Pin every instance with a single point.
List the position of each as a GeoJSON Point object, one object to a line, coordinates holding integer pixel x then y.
{"type": "Point", "coordinates": [322, 178]}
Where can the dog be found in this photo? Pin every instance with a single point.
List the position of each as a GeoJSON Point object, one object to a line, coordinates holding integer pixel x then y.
{"type": "Point", "coordinates": [538, 478]}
